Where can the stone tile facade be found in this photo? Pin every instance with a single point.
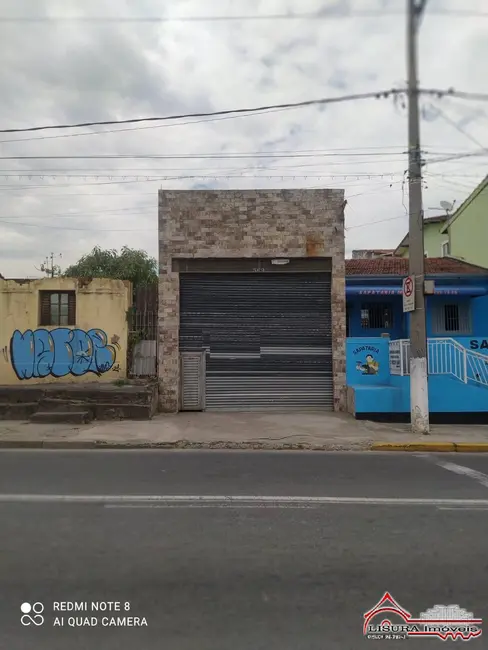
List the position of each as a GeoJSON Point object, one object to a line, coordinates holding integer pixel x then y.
{"type": "Point", "coordinates": [248, 223]}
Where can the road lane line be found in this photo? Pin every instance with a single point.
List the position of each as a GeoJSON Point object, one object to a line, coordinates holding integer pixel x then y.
{"type": "Point", "coordinates": [236, 501]}
{"type": "Point", "coordinates": [481, 478]}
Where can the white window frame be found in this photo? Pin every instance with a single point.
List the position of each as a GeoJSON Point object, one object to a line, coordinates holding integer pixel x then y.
{"type": "Point", "coordinates": [443, 254]}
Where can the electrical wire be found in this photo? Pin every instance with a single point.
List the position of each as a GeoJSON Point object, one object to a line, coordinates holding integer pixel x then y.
{"type": "Point", "coordinates": [332, 13]}
{"type": "Point", "coordinates": [236, 111]}
{"type": "Point", "coordinates": [382, 94]}
{"type": "Point", "coordinates": [458, 128]}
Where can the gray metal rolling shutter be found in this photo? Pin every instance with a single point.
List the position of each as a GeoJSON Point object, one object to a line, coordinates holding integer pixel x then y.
{"type": "Point", "coordinates": [267, 338]}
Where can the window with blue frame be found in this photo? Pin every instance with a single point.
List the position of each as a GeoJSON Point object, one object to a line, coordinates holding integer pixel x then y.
{"type": "Point", "coordinates": [451, 317]}
{"type": "Point", "coordinates": [376, 315]}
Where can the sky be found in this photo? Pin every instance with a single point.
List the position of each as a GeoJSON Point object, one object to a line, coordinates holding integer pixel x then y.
{"type": "Point", "coordinates": [124, 64]}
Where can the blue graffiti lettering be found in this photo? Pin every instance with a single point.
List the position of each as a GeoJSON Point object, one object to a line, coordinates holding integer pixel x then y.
{"type": "Point", "coordinates": [60, 352]}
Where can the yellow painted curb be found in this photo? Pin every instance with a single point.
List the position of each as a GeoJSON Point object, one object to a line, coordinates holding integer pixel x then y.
{"type": "Point", "coordinates": [413, 446]}
{"type": "Point", "coordinates": [474, 447]}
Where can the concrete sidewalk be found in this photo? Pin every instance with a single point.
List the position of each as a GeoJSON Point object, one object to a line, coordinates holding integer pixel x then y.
{"type": "Point", "coordinates": [328, 431]}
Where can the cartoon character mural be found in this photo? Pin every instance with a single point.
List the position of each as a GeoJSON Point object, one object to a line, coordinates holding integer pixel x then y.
{"type": "Point", "coordinates": [370, 367]}
{"type": "Point", "coordinates": [59, 352]}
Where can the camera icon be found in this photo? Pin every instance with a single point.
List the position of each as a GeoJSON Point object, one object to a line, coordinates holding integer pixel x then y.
{"type": "Point", "coordinates": [32, 614]}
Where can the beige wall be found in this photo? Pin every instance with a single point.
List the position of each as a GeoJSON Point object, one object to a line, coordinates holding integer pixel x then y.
{"type": "Point", "coordinates": [94, 349]}
{"type": "Point", "coordinates": [252, 224]}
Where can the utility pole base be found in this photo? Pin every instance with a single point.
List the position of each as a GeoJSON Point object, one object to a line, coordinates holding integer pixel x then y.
{"type": "Point", "coordinates": [419, 396]}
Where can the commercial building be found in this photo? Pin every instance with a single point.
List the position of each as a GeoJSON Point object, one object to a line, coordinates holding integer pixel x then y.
{"type": "Point", "coordinates": [378, 340]}
{"type": "Point", "coordinates": [251, 300]}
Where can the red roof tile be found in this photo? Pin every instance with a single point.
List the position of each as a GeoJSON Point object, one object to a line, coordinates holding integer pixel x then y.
{"type": "Point", "coordinates": [399, 266]}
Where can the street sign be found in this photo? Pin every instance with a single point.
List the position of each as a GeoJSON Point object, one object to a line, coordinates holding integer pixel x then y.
{"type": "Point", "coordinates": [408, 290]}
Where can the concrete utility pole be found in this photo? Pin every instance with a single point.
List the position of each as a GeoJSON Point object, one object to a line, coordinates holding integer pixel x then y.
{"type": "Point", "coordinates": [419, 396]}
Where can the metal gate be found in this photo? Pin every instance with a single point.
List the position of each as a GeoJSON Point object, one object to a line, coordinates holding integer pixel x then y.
{"type": "Point", "coordinates": [267, 338]}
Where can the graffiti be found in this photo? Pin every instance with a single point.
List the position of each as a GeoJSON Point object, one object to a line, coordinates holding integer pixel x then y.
{"type": "Point", "coordinates": [116, 368]}
{"type": "Point", "coordinates": [5, 353]}
{"type": "Point", "coordinates": [60, 352]}
{"type": "Point", "coordinates": [115, 341]}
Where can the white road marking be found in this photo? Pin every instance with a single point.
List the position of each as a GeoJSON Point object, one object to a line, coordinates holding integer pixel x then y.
{"type": "Point", "coordinates": [475, 508]}
{"type": "Point", "coordinates": [185, 501]}
{"type": "Point", "coordinates": [463, 471]}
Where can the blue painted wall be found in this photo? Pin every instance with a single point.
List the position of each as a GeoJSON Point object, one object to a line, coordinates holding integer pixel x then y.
{"type": "Point", "coordinates": [446, 395]}
{"type": "Point", "coordinates": [385, 393]}
{"type": "Point", "coordinates": [397, 329]}
{"type": "Point", "coordinates": [367, 361]}
{"type": "Point", "coordinates": [479, 316]}
{"type": "Point", "coordinates": [379, 392]}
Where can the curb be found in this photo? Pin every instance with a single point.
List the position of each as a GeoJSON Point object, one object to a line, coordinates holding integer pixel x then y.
{"type": "Point", "coordinates": [180, 444]}
{"type": "Point", "coordinates": [466, 447]}
{"type": "Point", "coordinates": [473, 447]}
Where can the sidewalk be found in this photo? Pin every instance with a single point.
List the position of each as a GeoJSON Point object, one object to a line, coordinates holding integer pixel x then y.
{"type": "Point", "coordinates": [326, 431]}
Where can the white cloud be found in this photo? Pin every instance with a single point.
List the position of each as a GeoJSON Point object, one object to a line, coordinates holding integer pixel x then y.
{"type": "Point", "coordinates": [68, 72]}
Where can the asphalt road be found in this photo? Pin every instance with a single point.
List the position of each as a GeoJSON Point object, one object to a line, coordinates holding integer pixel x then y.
{"type": "Point", "coordinates": [245, 574]}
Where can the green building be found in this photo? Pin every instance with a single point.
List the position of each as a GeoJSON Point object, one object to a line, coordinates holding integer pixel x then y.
{"type": "Point", "coordinates": [467, 229]}
{"type": "Point", "coordinates": [463, 234]}
{"type": "Point", "coordinates": [434, 239]}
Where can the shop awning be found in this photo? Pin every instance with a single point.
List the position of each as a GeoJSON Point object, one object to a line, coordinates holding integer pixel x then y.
{"type": "Point", "coordinates": [448, 290]}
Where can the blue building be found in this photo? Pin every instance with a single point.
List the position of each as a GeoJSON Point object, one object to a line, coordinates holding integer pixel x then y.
{"type": "Point", "coordinates": [377, 345]}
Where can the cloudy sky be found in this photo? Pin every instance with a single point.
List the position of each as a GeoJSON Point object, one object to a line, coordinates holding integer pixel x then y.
{"type": "Point", "coordinates": [59, 71]}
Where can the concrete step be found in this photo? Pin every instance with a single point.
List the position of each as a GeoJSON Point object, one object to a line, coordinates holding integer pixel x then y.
{"type": "Point", "coordinates": [62, 417]}
{"type": "Point", "coordinates": [17, 411]}
{"type": "Point", "coordinates": [123, 411]}
{"type": "Point", "coordinates": [99, 411]}
{"type": "Point", "coordinates": [51, 405]}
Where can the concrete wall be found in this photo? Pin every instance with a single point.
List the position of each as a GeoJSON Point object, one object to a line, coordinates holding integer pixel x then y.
{"type": "Point", "coordinates": [381, 392]}
{"type": "Point", "coordinates": [252, 224]}
{"type": "Point", "coordinates": [468, 233]}
{"type": "Point", "coordinates": [93, 349]}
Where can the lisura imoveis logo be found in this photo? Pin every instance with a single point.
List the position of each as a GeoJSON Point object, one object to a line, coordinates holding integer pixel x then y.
{"type": "Point", "coordinates": [389, 620]}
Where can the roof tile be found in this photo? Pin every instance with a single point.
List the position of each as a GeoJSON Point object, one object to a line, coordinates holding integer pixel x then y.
{"type": "Point", "coordinates": [399, 266]}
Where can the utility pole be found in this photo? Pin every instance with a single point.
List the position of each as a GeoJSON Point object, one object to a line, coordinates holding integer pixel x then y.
{"type": "Point", "coordinates": [49, 267]}
{"type": "Point", "coordinates": [419, 396]}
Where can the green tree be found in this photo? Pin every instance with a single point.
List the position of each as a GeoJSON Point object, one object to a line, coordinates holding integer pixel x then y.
{"type": "Point", "coordinates": [130, 264]}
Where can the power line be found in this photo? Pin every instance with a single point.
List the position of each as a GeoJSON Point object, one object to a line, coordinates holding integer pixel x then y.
{"type": "Point", "coordinates": [458, 128]}
{"type": "Point", "coordinates": [382, 94]}
{"type": "Point", "coordinates": [43, 226]}
{"type": "Point", "coordinates": [372, 223]}
{"type": "Point", "coordinates": [324, 14]}
{"type": "Point", "coordinates": [142, 128]}
{"type": "Point", "coordinates": [305, 153]}
{"type": "Point", "coordinates": [236, 111]}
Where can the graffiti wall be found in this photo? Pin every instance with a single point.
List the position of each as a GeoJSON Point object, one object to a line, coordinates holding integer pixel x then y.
{"type": "Point", "coordinates": [61, 352]}
{"type": "Point", "coordinates": [93, 349]}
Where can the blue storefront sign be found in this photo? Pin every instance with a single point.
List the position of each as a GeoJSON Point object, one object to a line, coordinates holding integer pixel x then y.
{"type": "Point", "coordinates": [397, 291]}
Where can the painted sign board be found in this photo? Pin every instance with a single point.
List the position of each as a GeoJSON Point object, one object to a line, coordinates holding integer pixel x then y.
{"type": "Point", "coordinates": [408, 290]}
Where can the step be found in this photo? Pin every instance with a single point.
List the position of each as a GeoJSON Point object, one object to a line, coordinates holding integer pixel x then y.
{"type": "Point", "coordinates": [17, 411]}
{"type": "Point", "coordinates": [21, 394]}
{"type": "Point", "coordinates": [123, 411]}
{"type": "Point", "coordinates": [62, 417]}
{"type": "Point", "coordinates": [52, 405]}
